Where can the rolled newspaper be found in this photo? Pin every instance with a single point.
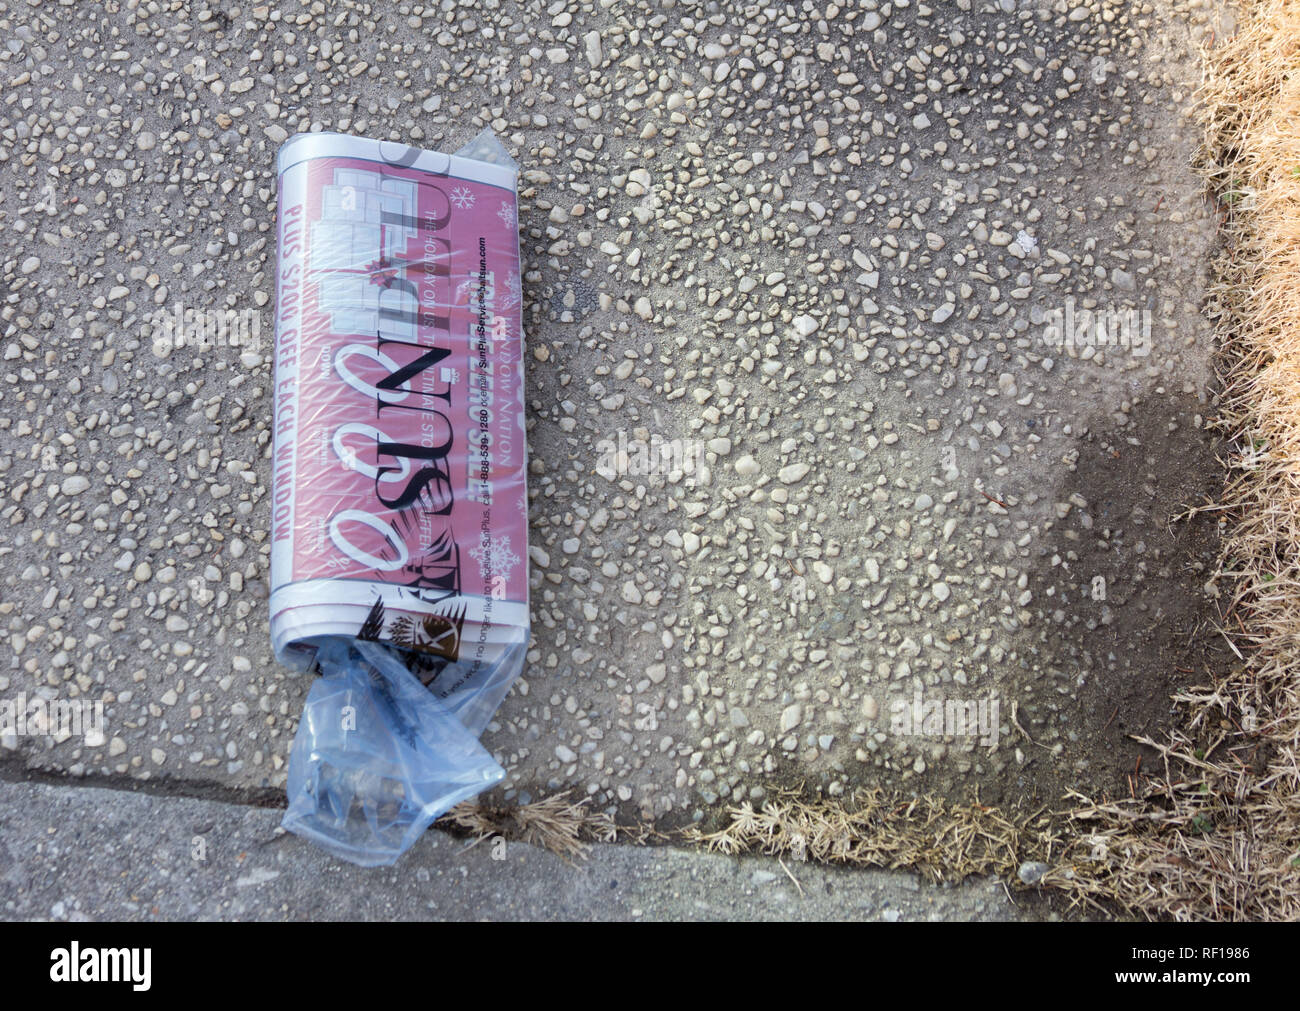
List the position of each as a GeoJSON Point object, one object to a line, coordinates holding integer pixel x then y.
{"type": "Point", "coordinates": [400, 506]}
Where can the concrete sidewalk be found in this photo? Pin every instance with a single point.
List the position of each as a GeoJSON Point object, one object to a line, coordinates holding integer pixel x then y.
{"type": "Point", "coordinates": [80, 853]}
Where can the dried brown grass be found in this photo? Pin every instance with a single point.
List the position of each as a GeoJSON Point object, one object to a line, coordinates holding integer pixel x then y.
{"type": "Point", "coordinates": [555, 823]}
{"type": "Point", "coordinates": [942, 840]}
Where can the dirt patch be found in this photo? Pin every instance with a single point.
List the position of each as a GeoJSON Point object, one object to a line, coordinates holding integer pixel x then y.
{"type": "Point", "coordinates": [1124, 618]}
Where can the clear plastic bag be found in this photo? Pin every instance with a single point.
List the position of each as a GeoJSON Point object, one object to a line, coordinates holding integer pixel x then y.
{"type": "Point", "coordinates": [377, 757]}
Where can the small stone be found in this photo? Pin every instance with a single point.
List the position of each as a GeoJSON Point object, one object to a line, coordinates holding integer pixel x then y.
{"type": "Point", "coordinates": [1031, 872]}
{"type": "Point", "coordinates": [805, 326]}
{"type": "Point", "coordinates": [591, 41]}
{"type": "Point", "coordinates": [793, 473]}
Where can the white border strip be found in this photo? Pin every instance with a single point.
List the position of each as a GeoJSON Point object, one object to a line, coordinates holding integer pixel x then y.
{"type": "Point", "coordinates": [303, 147]}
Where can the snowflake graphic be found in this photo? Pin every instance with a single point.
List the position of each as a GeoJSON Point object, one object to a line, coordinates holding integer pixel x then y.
{"type": "Point", "coordinates": [512, 292]}
{"type": "Point", "coordinates": [499, 558]}
{"type": "Point", "coordinates": [462, 197]}
{"type": "Point", "coordinates": [507, 215]}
